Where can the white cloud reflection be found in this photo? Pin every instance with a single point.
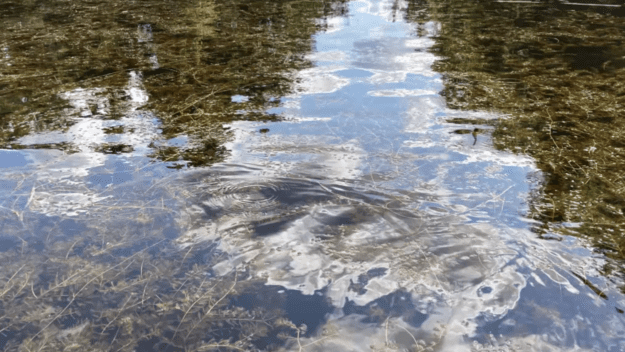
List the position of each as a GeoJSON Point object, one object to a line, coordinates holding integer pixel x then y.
{"type": "Point", "coordinates": [420, 225]}
{"type": "Point", "coordinates": [70, 196]}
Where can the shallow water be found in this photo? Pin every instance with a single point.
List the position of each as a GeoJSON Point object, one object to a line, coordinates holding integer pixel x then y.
{"type": "Point", "coordinates": [286, 176]}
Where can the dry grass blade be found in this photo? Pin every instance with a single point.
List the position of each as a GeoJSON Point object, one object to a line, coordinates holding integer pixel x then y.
{"type": "Point", "coordinates": [85, 285]}
{"type": "Point", "coordinates": [215, 304]}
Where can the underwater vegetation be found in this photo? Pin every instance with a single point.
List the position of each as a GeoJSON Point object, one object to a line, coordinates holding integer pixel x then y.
{"type": "Point", "coordinates": [114, 298]}
{"type": "Point", "coordinates": [113, 280]}
{"type": "Point", "coordinates": [116, 278]}
{"type": "Point", "coordinates": [103, 247]}
{"type": "Point", "coordinates": [557, 72]}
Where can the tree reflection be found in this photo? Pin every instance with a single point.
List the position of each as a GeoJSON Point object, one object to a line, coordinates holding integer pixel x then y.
{"type": "Point", "coordinates": [189, 57]}
{"type": "Point", "coordinates": [558, 74]}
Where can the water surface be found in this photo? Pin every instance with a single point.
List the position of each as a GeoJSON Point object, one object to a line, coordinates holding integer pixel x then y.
{"type": "Point", "coordinates": [345, 176]}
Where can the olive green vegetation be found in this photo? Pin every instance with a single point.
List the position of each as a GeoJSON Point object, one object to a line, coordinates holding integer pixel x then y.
{"type": "Point", "coordinates": [113, 280]}
{"type": "Point", "coordinates": [558, 73]}
{"type": "Point", "coordinates": [192, 56]}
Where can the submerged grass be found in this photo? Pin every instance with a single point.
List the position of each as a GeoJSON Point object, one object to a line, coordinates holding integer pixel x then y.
{"type": "Point", "coordinates": [116, 281]}
{"type": "Point", "coordinates": [127, 273]}
{"type": "Point", "coordinates": [558, 72]}
{"type": "Point", "coordinates": [112, 280]}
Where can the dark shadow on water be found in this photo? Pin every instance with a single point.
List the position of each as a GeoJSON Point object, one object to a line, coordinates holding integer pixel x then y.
{"type": "Point", "coordinates": [310, 310]}
{"type": "Point", "coordinates": [271, 227]}
{"type": "Point", "coordinates": [363, 280]}
{"type": "Point", "coordinates": [396, 304]}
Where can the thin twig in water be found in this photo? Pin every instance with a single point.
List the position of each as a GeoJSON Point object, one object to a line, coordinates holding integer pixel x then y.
{"type": "Point", "coordinates": [70, 249]}
{"type": "Point", "coordinates": [129, 343]}
{"type": "Point", "coordinates": [216, 303]}
{"type": "Point", "coordinates": [211, 346]}
{"type": "Point", "coordinates": [115, 337]}
{"type": "Point", "coordinates": [142, 267]}
{"type": "Point", "coordinates": [32, 289]}
{"type": "Point", "coordinates": [411, 335]}
{"type": "Point", "coordinates": [550, 135]}
{"type": "Point", "coordinates": [186, 254]}
{"type": "Point", "coordinates": [117, 316]}
{"type": "Point", "coordinates": [319, 340]}
{"type": "Point", "coordinates": [7, 289]}
{"type": "Point", "coordinates": [428, 261]}
{"type": "Point", "coordinates": [32, 195]}
{"type": "Point", "coordinates": [198, 100]}
{"type": "Point", "coordinates": [193, 304]}
{"type": "Point", "coordinates": [386, 333]}
{"type": "Point", "coordinates": [143, 294]}
{"type": "Point", "coordinates": [23, 285]}
{"type": "Point", "coordinates": [62, 282]}
{"type": "Point", "coordinates": [480, 259]}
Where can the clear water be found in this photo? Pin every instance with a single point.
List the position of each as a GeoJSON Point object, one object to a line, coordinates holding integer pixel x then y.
{"type": "Point", "coordinates": [354, 217]}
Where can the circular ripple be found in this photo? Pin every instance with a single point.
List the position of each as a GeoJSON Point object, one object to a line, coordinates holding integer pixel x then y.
{"type": "Point", "coordinates": [247, 195]}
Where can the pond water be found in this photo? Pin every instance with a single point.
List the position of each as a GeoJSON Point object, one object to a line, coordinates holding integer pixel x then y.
{"type": "Point", "coordinates": [311, 176]}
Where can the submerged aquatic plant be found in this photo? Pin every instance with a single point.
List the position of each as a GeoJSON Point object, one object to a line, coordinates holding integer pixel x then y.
{"type": "Point", "coordinates": [110, 278]}
{"type": "Point", "coordinates": [557, 71]}
{"type": "Point", "coordinates": [122, 287]}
